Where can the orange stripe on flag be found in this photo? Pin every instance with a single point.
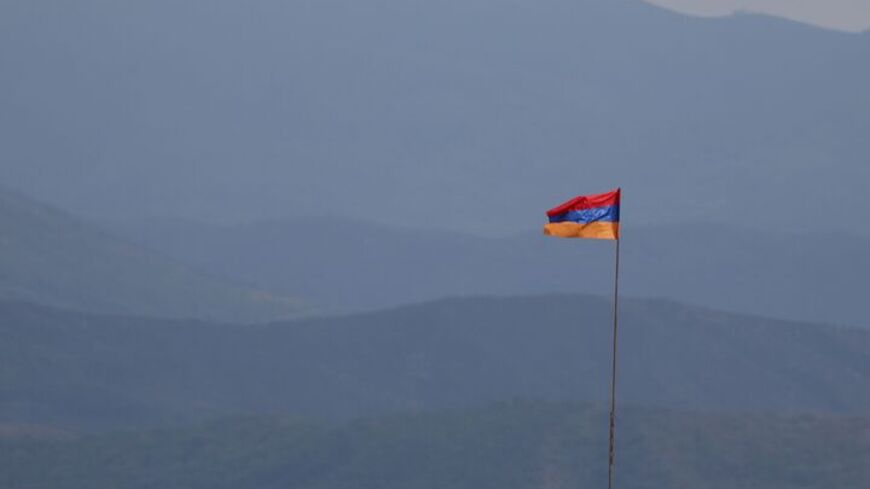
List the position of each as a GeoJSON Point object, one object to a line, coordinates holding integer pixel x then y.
{"type": "Point", "coordinates": [591, 230]}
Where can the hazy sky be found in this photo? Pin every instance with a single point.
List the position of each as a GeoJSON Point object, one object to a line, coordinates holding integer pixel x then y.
{"type": "Point", "coordinates": [851, 15]}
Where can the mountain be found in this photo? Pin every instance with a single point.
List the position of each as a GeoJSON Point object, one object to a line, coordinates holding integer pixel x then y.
{"type": "Point", "coordinates": [342, 264]}
{"type": "Point", "coordinates": [53, 258]}
{"type": "Point", "coordinates": [836, 14]}
{"type": "Point", "coordinates": [509, 445]}
{"type": "Point", "coordinates": [470, 115]}
{"type": "Point", "coordinates": [79, 371]}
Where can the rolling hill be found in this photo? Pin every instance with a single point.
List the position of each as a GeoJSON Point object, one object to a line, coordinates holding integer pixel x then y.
{"type": "Point", "coordinates": [79, 371]}
{"type": "Point", "coordinates": [345, 265]}
{"type": "Point", "coordinates": [50, 257]}
{"type": "Point", "coordinates": [509, 445]}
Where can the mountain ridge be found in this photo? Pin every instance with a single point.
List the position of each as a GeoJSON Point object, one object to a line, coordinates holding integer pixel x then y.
{"type": "Point", "coordinates": [343, 264]}
{"type": "Point", "coordinates": [91, 372]}
{"type": "Point", "coordinates": [417, 106]}
{"type": "Point", "coordinates": [49, 256]}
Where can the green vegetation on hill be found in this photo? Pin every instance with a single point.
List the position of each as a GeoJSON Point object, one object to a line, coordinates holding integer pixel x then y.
{"type": "Point", "coordinates": [49, 257]}
{"type": "Point", "coordinates": [510, 445]}
{"type": "Point", "coordinates": [84, 371]}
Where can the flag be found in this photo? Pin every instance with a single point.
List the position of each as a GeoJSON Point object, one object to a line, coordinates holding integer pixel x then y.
{"type": "Point", "coordinates": [587, 216]}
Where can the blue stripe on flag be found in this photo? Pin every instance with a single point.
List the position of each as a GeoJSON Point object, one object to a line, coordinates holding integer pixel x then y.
{"type": "Point", "coordinates": [605, 214]}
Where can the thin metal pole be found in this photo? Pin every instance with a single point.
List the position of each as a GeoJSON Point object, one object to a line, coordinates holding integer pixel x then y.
{"type": "Point", "coordinates": [612, 453]}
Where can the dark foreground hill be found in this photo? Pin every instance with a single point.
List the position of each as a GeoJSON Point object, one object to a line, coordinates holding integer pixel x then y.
{"type": "Point", "coordinates": [50, 257]}
{"type": "Point", "coordinates": [346, 264]}
{"type": "Point", "coordinates": [517, 445]}
{"type": "Point", "coordinates": [81, 371]}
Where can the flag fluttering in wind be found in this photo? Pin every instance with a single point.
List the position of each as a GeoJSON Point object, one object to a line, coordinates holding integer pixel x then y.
{"type": "Point", "coordinates": [587, 216]}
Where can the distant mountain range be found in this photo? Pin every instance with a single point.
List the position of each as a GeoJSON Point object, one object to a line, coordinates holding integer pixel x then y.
{"type": "Point", "coordinates": [283, 268]}
{"type": "Point", "coordinates": [340, 264]}
{"type": "Point", "coordinates": [78, 371]}
{"type": "Point", "coordinates": [426, 138]}
{"type": "Point", "coordinates": [507, 446]}
{"type": "Point", "coordinates": [471, 115]}
{"type": "Point", "coordinates": [834, 14]}
{"type": "Point", "coordinates": [50, 257]}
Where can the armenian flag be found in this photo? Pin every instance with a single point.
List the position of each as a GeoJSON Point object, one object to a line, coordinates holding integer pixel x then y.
{"type": "Point", "coordinates": [587, 216]}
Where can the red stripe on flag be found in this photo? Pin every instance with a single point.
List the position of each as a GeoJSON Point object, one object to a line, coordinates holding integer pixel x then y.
{"type": "Point", "coordinates": [586, 202]}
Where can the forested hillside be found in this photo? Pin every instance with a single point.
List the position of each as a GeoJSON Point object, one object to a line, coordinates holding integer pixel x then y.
{"type": "Point", "coordinates": [506, 446]}
{"type": "Point", "coordinates": [94, 372]}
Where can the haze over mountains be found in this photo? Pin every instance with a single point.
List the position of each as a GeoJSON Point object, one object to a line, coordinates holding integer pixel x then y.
{"type": "Point", "coordinates": [849, 15]}
{"type": "Point", "coordinates": [50, 257]}
{"type": "Point", "coordinates": [214, 169]}
{"type": "Point", "coordinates": [277, 269]}
{"type": "Point", "coordinates": [464, 115]}
{"type": "Point", "coordinates": [338, 264]}
{"type": "Point", "coordinates": [83, 372]}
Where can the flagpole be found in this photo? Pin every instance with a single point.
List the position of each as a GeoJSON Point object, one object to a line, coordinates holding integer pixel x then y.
{"type": "Point", "coordinates": [612, 452]}
{"type": "Point", "coordinates": [595, 217]}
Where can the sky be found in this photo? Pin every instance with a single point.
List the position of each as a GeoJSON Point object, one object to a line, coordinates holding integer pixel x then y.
{"type": "Point", "coordinates": [847, 15]}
